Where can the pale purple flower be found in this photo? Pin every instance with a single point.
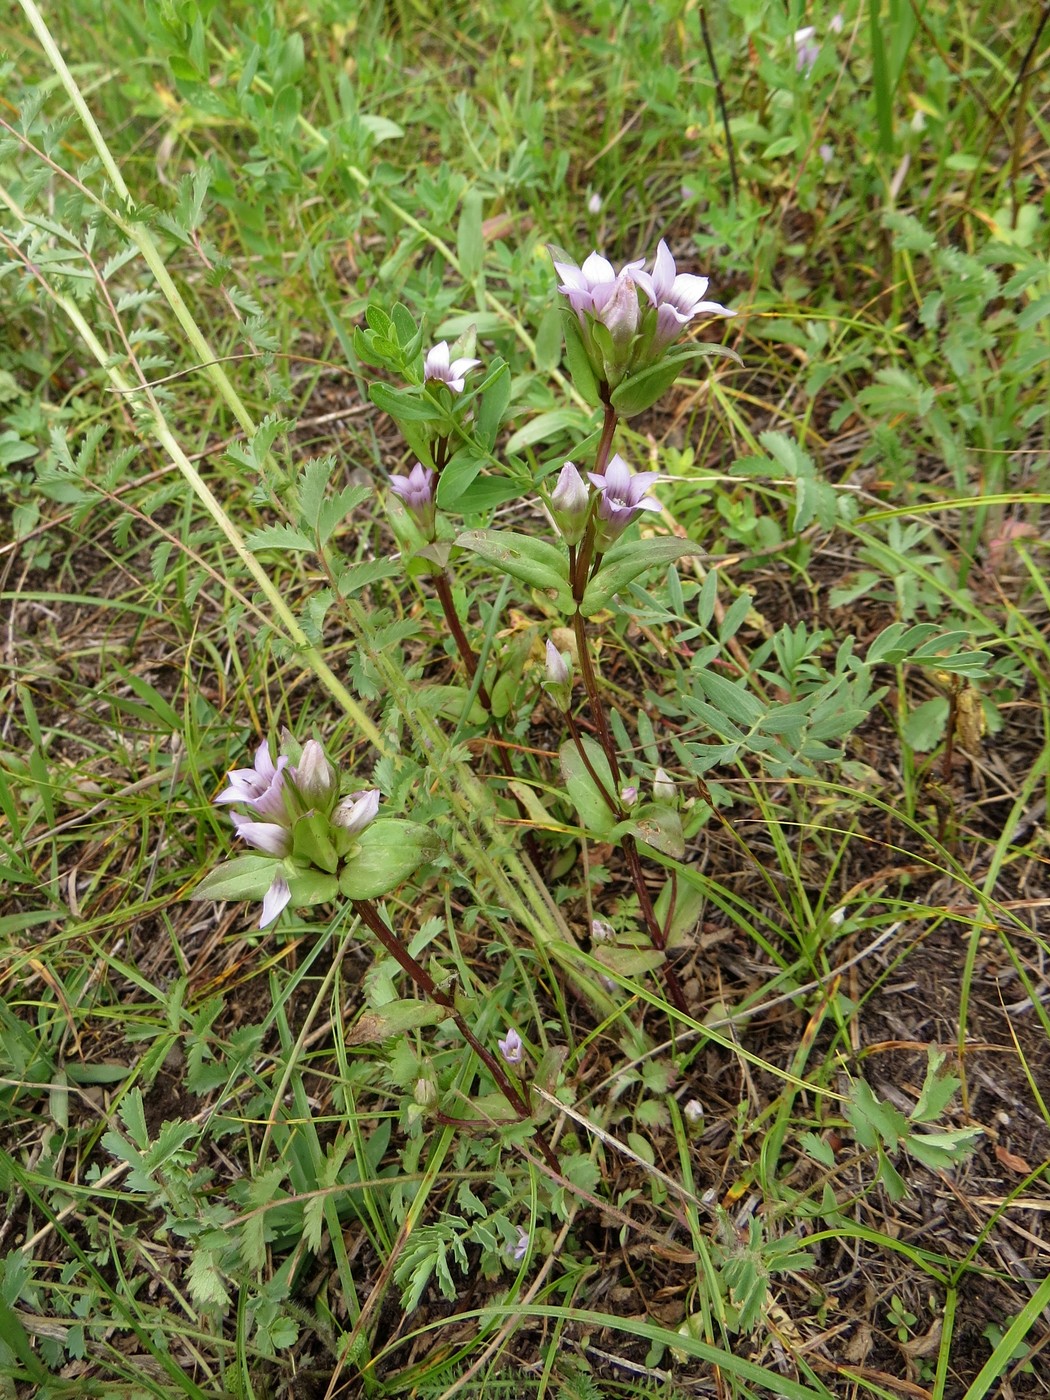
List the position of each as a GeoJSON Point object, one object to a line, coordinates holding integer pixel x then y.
{"type": "Point", "coordinates": [629, 795]}
{"type": "Point", "coordinates": [437, 368]}
{"type": "Point", "coordinates": [570, 504]}
{"type": "Point", "coordinates": [260, 787]}
{"type": "Point", "coordinates": [264, 836]}
{"type": "Point", "coordinates": [836, 24]}
{"type": "Point", "coordinates": [356, 811]}
{"type": "Point", "coordinates": [519, 1250]}
{"type": "Point", "coordinates": [826, 153]}
{"type": "Point", "coordinates": [807, 51]}
{"type": "Point", "coordinates": [512, 1049]}
{"type": "Point", "coordinates": [677, 296]}
{"type": "Point", "coordinates": [594, 204]}
{"type": "Point", "coordinates": [622, 498]}
{"type": "Point", "coordinates": [591, 287]}
{"type": "Point", "coordinates": [316, 781]}
{"type": "Point", "coordinates": [417, 491]}
{"type": "Point", "coordinates": [602, 932]}
{"type": "Point", "coordinates": [275, 900]}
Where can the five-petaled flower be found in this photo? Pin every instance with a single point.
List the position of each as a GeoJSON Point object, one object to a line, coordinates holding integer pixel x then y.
{"type": "Point", "coordinates": [260, 787]}
{"type": "Point", "coordinates": [438, 368]}
{"type": "Point", "coordinates": [621, 499]}
{"type": "Point", "coordinates": [677, 296]}
{"type": "Point", "coordinates": [417, 491]}
{"type": "Point", "coordinates": [512, 1049]}
{"type": "Point", "coordinates": [519, 1250]}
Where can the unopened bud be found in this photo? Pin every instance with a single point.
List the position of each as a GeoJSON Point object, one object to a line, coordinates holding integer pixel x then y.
{"type": "Point", "coordinates": [693, 1113]}
{"type": "Point", "coordinates": [664, 789]}
{"type": "Point", "coordinates": [570, 504]}
{"type": "Point", "coordinates": [425, 1093]}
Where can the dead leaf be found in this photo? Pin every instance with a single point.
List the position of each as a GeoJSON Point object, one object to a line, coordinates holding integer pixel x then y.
{"type": "Point", "coordinates": [1011, 1161]}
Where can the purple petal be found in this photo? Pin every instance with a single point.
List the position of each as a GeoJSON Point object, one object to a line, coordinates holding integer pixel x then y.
{"type": "Point", "coordinates": [664, 272]}
{"type": "Point", "coordinates": [264, 836]}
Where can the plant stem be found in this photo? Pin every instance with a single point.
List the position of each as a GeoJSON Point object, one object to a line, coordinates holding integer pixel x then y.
{"type": "Point", "coordinates": [610, 801]}
{"type": "Point", "coordinates": [594, 699]}
{"type": "Point", "coordinates": [370, 915]}
{"type": "Point", "coordinates": [467, 653]}
{"type": "Point", "coordinates": [652, 923]}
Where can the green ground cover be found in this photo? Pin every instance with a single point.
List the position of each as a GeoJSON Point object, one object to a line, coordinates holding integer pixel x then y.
{"type": "Point", "coordinates": [679, 1025]}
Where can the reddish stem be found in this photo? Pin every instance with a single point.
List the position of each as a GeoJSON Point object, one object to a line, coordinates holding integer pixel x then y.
{"type": "Point", "coordinates": [370, 915]}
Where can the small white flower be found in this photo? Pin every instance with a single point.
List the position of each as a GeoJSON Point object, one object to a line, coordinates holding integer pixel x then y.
{"type": "Point", "coordinates": [437, 369]}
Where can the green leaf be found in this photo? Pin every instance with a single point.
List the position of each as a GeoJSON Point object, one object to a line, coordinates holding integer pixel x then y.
{"type": "Point", "coordinates": [730, 697]}
{"type": "Point", "coordinates": [873, 1120]}
{"type": "Point", "coordinates": [389, 850]}
{"type": "Point", "coordinates": [625, 562]}
{"type": "Point", "coordinates": [494, 398]}
{"type": "Point", "coordinates": [578, 362]}
{"type": "Point", "coordinates": [629, 962]}
{"type": "Point", "coordinates": [470, 239]}
{"type": "Point", "coordinates": [394, 1018]}
{"type": "Point", "coordinates": [640, 391]}
{"type": "Point", "coordinates": [658, 826]}
{"type": "Point", "coordinates": [940, 1151]}
{"type": "Point", "coordinates": [924, 728]}
{"type": "Point", "coordinates": [592, 808]}
{"type": "Point", "coordinates": [312, 887]}
{"type": "Point", "coordinates": [535, 562]}
{"type": "Point", "coordinates": [450, 700]}
{"type": "Point", "coordinates": [548, 425]}
{"type": "Point", "coordinates": [405, 405]}
{"type": "Point", "coordinates": [243, 877]}
{"type": "Point", "coordinates": [278, 537]}
{"type": "Point", "coordinates": [458, 475]}
{"type": "Point", "coordinates": [937, 1089]}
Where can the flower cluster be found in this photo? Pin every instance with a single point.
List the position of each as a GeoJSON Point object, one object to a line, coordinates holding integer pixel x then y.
{"type": "Point", "coordinates": [294, 816]}
{"type": "Point", "coordinates": [629, 318]}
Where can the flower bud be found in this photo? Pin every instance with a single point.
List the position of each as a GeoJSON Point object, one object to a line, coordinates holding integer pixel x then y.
{"type": "Point", "coordinates": [356, 811]}
{"type": "Point", "coordinates": [601, 932]}
{"type": "Point", "coordinates": [664, 789]}
{"type": "Point", "coordinates": [417, 491]}
{"type": "Point", "coordinates": [629, 795]}
{"type": "Point", "coordinates": [316, 781]}
{"type": "Point", "coordinates": [512, 1049]}
{"type": "Point", "coordinates": [693, 1113]}
{"type": "Point", "coordinates": [558, 683]}
{"type": "Point", "coordinates": [570, 504]}
{"type": "Point", "coordinates": [425, 1093]}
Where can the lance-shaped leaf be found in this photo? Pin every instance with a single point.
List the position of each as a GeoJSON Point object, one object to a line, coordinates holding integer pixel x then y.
{"type": "Point", "coordinates": [592, 808]}
{"type": "Point", "coordinates": [406, 405]}
{"type": "Point", "coordinates": [388, 852]}
{"type": "Point", "coordinates": [243, 877]}
{"type": "Point", "coordinates": [640, 391]}
{"type": "Point", "coordinates": [535, 562]}
{"type": "Point", "coordinates": [624, 562]}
